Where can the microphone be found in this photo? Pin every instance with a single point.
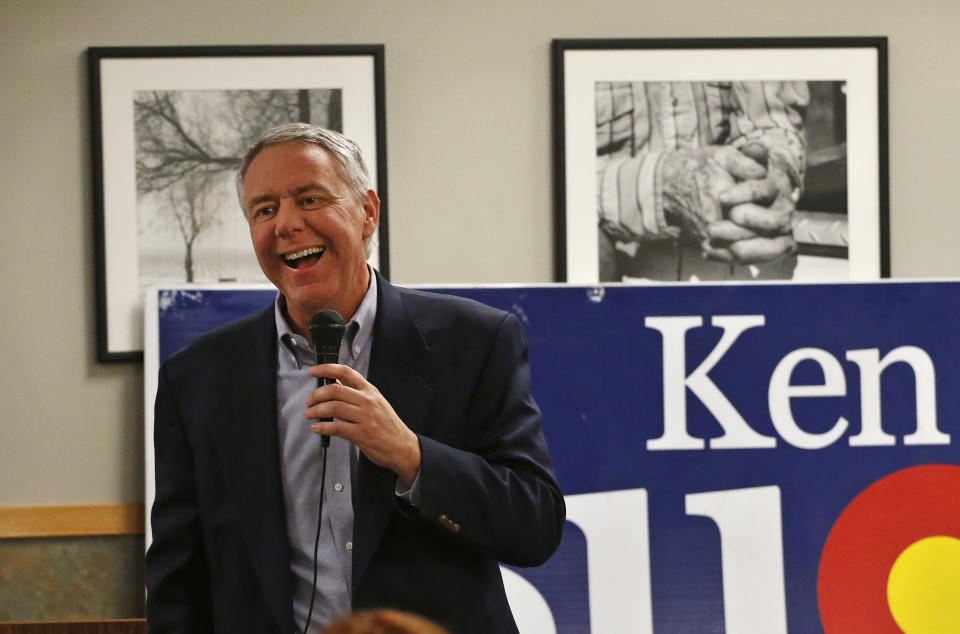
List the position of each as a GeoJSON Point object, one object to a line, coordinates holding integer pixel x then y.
{"type": "Point", "coordinates": [326, 330]}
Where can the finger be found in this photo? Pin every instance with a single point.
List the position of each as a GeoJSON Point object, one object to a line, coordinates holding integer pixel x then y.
{"type": "Point", "coordinates": [757, 151]}
{"type": "Point", "coordinates": [740, 166]}
{"type": "Point", "coordinates": [763, 191]}
{"type": "Point", "coordinates": [762, 250]}
{"type": "Point", "coordinates": [345, 412]}
{"type": "Point", "coordinates": [762, 219]}
{"type": "Point", "coordinates": [720, 254]}
{"type": "Point", "coordinates": [729, 231]}
{"type": "Point", "coordinates": [780, 163]}
{"type": "Point", "coordinates": [337, 428]}
{"type": "Point", "coordinates": [343, 373]}
{"type": "Point", "coordinates": [781, 180]}
{"type": "Point", "coordinates": [334, 392]}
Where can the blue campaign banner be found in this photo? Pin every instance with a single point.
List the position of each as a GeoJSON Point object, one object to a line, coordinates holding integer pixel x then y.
{"type": "Point", "coordinates": [736, 458]}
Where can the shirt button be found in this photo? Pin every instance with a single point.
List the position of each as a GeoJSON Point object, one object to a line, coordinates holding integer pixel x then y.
{"type": "Point", "coordinates": [349, 545]}
{"type": "Point", "coordinates": [338, 487]}
{"type": "Point", "coordinates": [356, 350]}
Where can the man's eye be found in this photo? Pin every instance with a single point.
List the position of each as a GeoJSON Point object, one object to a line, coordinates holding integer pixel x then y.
{"type": "Point", "coordinates": [311, 200]}
{"type": "Point", "coordinates": [262, 212]}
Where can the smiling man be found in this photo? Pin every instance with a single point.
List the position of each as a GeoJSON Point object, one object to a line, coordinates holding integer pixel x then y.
{"type": "Point", "coordinates": [308, 227]}
{"type": "Point", "coordinates": [437, 469]}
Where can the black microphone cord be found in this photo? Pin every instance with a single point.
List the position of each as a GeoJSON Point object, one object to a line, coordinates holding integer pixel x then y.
{"type": "Point", "coordinates": [316, 540]}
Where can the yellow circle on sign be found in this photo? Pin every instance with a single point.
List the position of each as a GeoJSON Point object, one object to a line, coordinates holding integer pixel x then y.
{"type": "Point", "coordinates": [923, 589]}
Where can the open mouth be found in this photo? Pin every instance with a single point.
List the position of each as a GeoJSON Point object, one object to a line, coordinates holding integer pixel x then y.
{"type": "Point", "coordinates": [303, 257]}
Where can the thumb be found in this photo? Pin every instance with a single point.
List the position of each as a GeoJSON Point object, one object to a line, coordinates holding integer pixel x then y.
{"type": "Point", "coordinates": [757, 151]}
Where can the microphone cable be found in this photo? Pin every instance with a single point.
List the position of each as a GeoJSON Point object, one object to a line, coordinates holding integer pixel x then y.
{"type": "Point", "coordinates": [316, 540]}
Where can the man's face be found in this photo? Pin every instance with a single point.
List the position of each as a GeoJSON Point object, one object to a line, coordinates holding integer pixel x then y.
{"type": "Point", "coordinates": [308, 228]}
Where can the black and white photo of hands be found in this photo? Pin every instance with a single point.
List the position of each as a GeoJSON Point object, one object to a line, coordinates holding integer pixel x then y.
{"type": "Point", "coordinates": [737, 204]}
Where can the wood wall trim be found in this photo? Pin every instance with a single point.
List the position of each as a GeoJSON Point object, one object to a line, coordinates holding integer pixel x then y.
{"type": "Point", "coordinates": [71, 521]}
{"type": "Point", "coordinates": [125, 626]}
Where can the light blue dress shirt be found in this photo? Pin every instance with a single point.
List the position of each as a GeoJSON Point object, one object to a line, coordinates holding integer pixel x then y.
{"type": "Point", "coordinates": [301, 470]}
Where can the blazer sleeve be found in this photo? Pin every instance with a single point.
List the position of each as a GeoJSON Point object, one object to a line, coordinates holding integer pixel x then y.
{"type": "Point", "coordinates": [178, 596]}
{"type": "Point", "coordinates": [497, 495]}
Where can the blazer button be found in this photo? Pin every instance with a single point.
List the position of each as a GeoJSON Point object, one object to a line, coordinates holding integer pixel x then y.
{"type": "Point", "coordinates": [454, 527]}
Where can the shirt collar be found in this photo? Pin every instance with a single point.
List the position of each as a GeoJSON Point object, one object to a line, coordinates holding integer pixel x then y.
{"type": "Point", "coordinates": [364, 316]}
{"type": "Point", "coordinates": [358, 331]}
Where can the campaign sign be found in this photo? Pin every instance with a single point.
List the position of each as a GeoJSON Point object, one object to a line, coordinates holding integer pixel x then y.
{"type": "Point", "coordinates": [735, 458]}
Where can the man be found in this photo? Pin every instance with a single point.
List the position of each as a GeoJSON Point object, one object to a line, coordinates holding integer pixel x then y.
{"type": "Point", "coordinates": [437, 469]}
{"type": "Point", "coordinates": [699, 180]}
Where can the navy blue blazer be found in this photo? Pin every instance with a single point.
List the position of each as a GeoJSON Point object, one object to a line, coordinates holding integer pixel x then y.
{"type": "Point", "coordinates": [456, 373]}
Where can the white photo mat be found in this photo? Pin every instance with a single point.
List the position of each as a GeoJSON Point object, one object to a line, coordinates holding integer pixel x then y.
{"type": "Point", "coordinates": [857, 67]}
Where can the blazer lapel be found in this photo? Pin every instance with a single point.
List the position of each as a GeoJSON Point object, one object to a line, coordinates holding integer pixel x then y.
{"type": "Point", "coordinates": [248, 449]}
{"type": "Point", "coordinates": [398, 347]}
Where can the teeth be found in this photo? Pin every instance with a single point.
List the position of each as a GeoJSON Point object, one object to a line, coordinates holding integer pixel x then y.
{"type": "Point", "coordinates": [302, 253]}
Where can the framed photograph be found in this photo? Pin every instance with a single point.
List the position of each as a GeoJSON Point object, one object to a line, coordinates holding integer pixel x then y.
{"type": "Point", "coordinates": [680, 160]}
{"type": "Point", "coordinates": [169, 128]}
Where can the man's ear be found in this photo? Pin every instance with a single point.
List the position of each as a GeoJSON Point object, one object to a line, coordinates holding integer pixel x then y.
{"type": "Point", "coordinates": [371, 213]}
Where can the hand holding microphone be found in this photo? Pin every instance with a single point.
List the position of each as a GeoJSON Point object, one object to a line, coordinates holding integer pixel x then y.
{"type": "Point", "coordinates": [363, 416]}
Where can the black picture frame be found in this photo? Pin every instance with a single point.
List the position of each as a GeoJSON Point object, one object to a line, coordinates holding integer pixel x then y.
{"type": "Point", "coordinates": [348, 80]}
{"type": "Point", "coordinates": [857, 65]}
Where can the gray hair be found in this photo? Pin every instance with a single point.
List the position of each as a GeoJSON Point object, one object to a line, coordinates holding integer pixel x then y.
{"type": "Point", "coordinates": [344, 152]}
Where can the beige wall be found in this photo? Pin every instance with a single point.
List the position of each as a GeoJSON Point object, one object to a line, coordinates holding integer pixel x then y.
{"type": "Point", "coordinates": [469, 165]}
